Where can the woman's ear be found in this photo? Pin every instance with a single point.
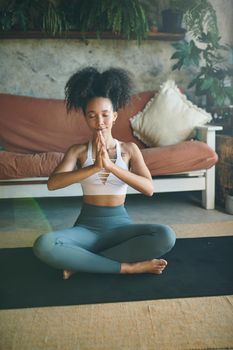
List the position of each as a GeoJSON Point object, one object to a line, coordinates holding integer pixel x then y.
{"type": "Point", "coordinates": [115, 115]}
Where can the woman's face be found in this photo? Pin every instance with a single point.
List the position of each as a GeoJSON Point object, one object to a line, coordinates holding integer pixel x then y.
{"type": "Point", "coordinates": [100, 115]}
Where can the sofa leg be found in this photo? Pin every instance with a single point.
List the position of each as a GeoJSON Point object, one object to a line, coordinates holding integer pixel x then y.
{"type": "Point", "coordinates": [208, 195]}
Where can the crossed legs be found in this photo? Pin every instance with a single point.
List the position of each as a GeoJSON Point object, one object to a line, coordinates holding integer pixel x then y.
{"type": "Point", "coordinates": [130, 248]}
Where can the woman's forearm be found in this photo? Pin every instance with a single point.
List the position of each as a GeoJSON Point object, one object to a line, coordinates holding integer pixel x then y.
{"type": "Point", "coordinates": [63, 179]}
{"type": "Point", "coordinates": [139, 183]}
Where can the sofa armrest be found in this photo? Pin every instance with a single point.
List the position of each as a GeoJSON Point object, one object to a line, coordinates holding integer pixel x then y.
{"type": "Point", "coordinates": [207, 134]}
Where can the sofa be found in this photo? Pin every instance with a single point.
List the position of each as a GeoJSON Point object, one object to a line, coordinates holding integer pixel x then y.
{"type": "Point", "coordinates": [35, 133]}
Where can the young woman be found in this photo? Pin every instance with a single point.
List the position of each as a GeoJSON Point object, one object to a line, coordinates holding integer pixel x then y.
{"type": "Point", "coordinates": [103, 239]}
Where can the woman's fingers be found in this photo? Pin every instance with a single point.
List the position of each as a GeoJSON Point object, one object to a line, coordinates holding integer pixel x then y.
{"type": "Point", "coordinates": [98, 141]}
{"type": "Point", "coordinates": [99, 153]}
{"type": "Point", "coordinates": [102, 140]}
{"type": "Point", "coordinates": [102, 156]}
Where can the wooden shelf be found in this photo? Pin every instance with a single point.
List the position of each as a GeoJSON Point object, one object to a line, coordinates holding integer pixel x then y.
{"type": "Point", "coordinates": [88, 35]}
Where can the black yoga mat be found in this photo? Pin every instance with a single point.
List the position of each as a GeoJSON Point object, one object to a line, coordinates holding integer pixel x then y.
{"type": "Point", "coordinates": [196, 267]}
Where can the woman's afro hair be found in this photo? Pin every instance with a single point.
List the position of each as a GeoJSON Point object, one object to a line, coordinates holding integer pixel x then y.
{"type": "Point", "coordinates": [114, 83]}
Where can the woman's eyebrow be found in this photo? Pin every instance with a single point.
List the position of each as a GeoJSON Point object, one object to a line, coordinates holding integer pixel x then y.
{"type": "Point", "coordinates": [103, 111]}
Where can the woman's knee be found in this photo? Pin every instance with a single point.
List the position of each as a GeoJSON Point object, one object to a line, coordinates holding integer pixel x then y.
{"type": "Point", "coordinates": [170, 236]}
{"type": "Point", "coordinates": [167, 236]}
{"type": "Point", "coordinates": [43, 245]}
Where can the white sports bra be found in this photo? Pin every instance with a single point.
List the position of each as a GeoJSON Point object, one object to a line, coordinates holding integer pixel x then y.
{"type": "Point", "coordinates": [103, 182]}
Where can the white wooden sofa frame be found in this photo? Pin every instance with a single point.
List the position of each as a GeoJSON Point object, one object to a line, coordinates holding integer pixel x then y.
{"type": "Point", "coordinates": [202, 180]}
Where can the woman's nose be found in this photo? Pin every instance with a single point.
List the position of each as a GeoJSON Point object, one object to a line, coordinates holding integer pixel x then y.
{"type": "Point", "coordinates": [100, 120]}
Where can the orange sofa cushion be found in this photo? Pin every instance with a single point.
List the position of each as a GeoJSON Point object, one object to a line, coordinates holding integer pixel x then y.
{"type": "Point", "coordinates": [36, 132]}
{"type": "Point", "coordinates": [182, 157]}
{"type": "Point", "coordinates": [185, 156]}
{"type": "Point", "coordinates": [20, 165]}
{"type": "Point", "coordinates": [29, 124]}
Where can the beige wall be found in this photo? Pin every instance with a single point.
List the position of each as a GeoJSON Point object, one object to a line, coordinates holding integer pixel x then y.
{"type": "Point", "coordinates": [41, 67]}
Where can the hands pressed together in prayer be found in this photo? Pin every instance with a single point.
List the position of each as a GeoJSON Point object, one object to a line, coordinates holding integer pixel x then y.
{"type": "Point", "coordinates": [102, 157]}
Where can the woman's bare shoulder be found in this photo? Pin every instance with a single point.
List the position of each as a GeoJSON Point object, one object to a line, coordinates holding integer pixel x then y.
{"type": "Point", "coordinates": [129, 147]}
{"type": "Point", "coordinates": [76, 149]}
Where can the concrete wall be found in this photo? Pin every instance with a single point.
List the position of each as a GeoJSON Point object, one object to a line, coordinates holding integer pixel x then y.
{"type": "Point", "coordinates": [41, 67]}
{"type": "Point", "coordinates": [224, 10]}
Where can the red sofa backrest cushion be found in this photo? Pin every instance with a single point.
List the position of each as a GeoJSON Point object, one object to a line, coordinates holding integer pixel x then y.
{"type": "Point", "coordinates": [30, 125]}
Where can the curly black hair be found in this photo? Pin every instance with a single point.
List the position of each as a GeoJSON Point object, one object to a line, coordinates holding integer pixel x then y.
{"type": "Point", "coordinates": [114, 83]}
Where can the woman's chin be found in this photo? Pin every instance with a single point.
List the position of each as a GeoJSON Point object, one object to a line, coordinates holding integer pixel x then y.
{"type": "Point", "coordinates": [103, 131]}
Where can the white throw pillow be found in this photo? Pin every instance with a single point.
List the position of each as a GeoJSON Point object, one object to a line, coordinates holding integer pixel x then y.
{"type": "Point", "coordinates": [168, 118]}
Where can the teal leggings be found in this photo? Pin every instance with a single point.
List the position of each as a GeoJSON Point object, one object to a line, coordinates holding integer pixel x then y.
{"type": "Point", "coordinates": [101, 239]}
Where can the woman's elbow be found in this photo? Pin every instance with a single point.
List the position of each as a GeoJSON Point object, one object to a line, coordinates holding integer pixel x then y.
{"type": "Point", "coordinates": [149, 191]}
{"type": "Point", "coordinates": [50, 185]}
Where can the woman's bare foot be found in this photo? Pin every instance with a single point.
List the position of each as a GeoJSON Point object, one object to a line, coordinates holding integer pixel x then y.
{"type": "Point", "coordinates": [155, 266]}
{"type": "Point", "coordinates": [67, 274]}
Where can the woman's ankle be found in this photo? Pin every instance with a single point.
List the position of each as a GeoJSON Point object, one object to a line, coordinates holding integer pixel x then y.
{"type": "Point", "coordinates": [125, 268]}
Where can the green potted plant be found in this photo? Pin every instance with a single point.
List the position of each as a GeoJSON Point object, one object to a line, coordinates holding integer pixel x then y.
{"type": "Point", "coordinates": [152, 10]}
{"type": "Point", "coordinates": [121, 17]}
{"type": "Point", "coordinates": [125, 17]}
{"type": "Point", "coordinates": [193, 14]}
{"type": "Point", "coordinates": [29, 15]}
{"type": "Point", "coordinates": [214, 76]}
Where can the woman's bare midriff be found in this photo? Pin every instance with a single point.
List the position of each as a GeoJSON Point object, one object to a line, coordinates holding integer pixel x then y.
{"type": "Point", "coordinates": [105, 200]}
